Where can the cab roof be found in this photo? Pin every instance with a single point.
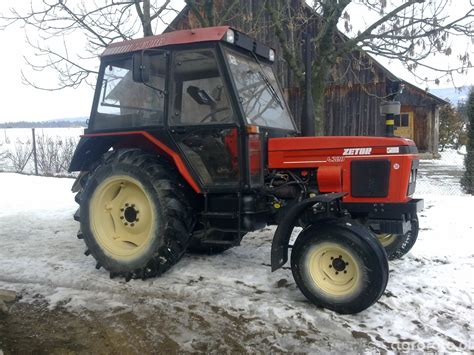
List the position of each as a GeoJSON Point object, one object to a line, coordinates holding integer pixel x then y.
{"type": "Point", "coordinates": [165, 39]}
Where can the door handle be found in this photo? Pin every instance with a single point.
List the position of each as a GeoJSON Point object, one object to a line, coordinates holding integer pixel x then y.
{"type": "Point", "coordinates": [179, 130]}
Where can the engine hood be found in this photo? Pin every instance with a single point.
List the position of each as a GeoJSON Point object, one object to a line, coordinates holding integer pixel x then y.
{"type": "Point", "coordinates": [312, 151]}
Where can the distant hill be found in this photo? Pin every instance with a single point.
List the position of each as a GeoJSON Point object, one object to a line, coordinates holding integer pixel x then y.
{"type": "Point", "coordinates": [56, 123]}
{"type": "Point", "coordinates": [452, 94]}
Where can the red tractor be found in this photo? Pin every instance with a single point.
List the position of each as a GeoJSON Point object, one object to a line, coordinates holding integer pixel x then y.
{"type": "Point", "coordinates": [191, 145]}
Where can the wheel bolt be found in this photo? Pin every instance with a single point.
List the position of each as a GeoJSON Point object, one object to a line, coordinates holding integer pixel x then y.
{"type": "Point", "coordinates": [126, 223]}
{"type": "Point", "coordinates": [332, 257]}
{"type": "Point", "coordinates": [121, 217]}
{"type": "Point", "coordinates": [347, 264]}
{"type": "Point", "coordinates": [126, 205]}
{"type": "Point", "coordinates": [132, 224]}
{"type": "Point", "coordinates": [121, 210]}
{"type": "Point", "coordinates": [330, 266]}
{"type": "Point", "coordinates": [337, 273]}
{"type": "Point", "coordinates": [345, 271]}
{"type": "Point", "coordinates": [340, 256]}
{"type": "Point", "coordinates": [137, 220]}
{"type": "Point", "coordinates": [133, 205]}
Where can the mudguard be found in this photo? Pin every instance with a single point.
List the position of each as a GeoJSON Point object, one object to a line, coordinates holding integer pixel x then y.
{"type": "Point", "coordinates": [281, 239]}
{"type": "Point", "coordinates": [88, 150]}
{"type": "Point", "coordinates": [92, 146]}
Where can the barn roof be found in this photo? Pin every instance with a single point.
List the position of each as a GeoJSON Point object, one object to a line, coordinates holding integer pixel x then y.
{"type": "Point", "coordinates": [409, 86]}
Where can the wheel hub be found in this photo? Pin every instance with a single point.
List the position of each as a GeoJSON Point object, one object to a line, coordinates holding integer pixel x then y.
{"type": "Point", "coordinates": [333, 269]}
{"type": "Point", "coordinates": [130, 214]}
{"type": "Point", "coordinates": [339, 264]}
{"type": "Point", "coordinates": [122, 216]}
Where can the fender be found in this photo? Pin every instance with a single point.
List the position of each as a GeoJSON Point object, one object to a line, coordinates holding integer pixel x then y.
{"type": "Point", "coordinates": [90, 148]}
{"type": "Point", "coordinates": [281, 239]}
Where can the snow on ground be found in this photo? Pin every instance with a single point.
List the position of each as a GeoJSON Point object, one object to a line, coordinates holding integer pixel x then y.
{"type": "Point", "coordinates": [428, 302]}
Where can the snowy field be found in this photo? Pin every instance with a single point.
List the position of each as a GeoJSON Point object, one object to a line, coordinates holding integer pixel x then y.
{"type": "Point", "coordinates": [233, 302]}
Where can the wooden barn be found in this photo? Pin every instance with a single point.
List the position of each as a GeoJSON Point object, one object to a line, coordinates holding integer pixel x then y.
{"type": "Point", "coordinates": [355, 89]}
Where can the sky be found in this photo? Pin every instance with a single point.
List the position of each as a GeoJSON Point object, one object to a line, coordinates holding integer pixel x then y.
{"type": "Point", "coordinates": [21, 102]}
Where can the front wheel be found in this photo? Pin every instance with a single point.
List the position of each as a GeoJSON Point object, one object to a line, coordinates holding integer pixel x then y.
{"type": "Point", "coordinates": [397, 245]}
{"type": "Point", "coordinates": [340, 266]}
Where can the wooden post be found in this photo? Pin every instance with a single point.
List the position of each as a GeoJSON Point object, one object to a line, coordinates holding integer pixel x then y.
{"type": "Point", "coordinates": [34, 151]}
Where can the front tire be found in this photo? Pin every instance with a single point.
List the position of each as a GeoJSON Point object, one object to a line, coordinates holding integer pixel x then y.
{"type": "Point", "coordinates": [339, 266]}
{"type": "Point", "coordinates": [396, 246]}
{"type": "Point", "coordinates": [134, 216]}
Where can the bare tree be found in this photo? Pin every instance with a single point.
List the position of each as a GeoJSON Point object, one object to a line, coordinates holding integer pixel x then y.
{"type": "Point", "coordinates": [211, 12]}
{"type": "Point", "coordinates": [411, 31]}
{"type": "Point", "coordinates": [51, 26]}
{"type": "Point", "coordinates": [20, 155]}
{"type": "Point", "coordinates": [3, 156]}
{"type": "Point", "coordinates": [54, 154]}
{"type": "Point", "coordinates": [68, 148]}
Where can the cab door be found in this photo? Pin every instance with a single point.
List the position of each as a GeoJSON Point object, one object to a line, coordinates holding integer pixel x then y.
{"type": "Point", "coordinates": [404, 125]}
{"type": "Point", "coordinates": [202, 120]}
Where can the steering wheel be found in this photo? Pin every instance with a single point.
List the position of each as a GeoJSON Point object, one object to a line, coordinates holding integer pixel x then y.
{"type": "Point", "coordinates": [212, 113]}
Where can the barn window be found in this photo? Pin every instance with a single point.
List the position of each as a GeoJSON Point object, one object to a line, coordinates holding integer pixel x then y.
{"type": "Point", "coordinates": [403, 120]}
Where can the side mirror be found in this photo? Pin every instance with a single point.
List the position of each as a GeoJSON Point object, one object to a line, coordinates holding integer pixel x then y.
{"type": "Point", "coordinates": [141, 68]}
{"type": "Point", "coordinates": [200, 96]}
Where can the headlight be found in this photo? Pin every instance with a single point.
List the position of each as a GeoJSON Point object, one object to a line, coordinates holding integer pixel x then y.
{"type": "Point", "coordinates": [271, 55]}
{"type": "Point", "coordinates": [230, 36]}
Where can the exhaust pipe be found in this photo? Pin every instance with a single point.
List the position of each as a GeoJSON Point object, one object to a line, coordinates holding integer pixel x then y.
{"type": "Point", "coordinates": [390, 109]}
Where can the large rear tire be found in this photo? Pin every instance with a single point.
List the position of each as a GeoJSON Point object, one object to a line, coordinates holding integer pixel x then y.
{"type": "Point", "coordinates": [134, 215]}
{"type": "Point", "coordinates": [396, 246]}
{"type": "Point", "coordinates": [339, 266]}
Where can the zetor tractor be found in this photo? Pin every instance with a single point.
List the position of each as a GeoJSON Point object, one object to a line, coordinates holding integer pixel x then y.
{"type": "Point", "coordinates": [191, 145]}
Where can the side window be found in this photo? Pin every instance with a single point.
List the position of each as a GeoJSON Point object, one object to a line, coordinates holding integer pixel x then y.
{"type": "Point", "coordinates": [124, 103]}
{"type": "Point", "coordinates": [199, 95]}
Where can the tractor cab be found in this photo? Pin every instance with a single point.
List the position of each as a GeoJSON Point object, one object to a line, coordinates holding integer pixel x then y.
{"type": "Point", "coordinates": [210, 94]}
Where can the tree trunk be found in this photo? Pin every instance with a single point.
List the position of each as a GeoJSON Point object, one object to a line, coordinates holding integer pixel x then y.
{"type": "Point", "coordinates": [320, 75]}
{"type": "Point", "coordinates": [147, 30]}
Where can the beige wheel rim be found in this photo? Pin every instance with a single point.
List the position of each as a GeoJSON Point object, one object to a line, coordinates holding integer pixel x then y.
{"type": "Point", "coordinates": [386, 239]}
{"type": "Point", "coordinates": [122, 217]}
{"type": "Point", "coordinates": [334, 269]}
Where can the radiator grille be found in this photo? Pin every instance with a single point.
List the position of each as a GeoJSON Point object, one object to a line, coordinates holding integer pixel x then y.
{"type": "Point", "coordinates": [370, 178]}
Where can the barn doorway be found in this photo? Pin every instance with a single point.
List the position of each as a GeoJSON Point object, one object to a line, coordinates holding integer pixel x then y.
{"type": "Point", "coordinates": [404, 125]}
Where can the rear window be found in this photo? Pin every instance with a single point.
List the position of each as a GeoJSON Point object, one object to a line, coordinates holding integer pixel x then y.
{"type": "Point", "coordinates": [124, 103]}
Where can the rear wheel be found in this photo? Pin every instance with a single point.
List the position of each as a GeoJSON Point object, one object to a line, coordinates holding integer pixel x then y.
{"type": "Point", "coordinates": [134, 216]}
{"type": "Point", "coordinates": [396, 245]}
{"type": "Point", "coordinates": [339, 266]}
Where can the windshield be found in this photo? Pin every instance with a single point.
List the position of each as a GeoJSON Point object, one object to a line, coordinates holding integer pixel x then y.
{"type": "Point", "coordinates": [259, 93]}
